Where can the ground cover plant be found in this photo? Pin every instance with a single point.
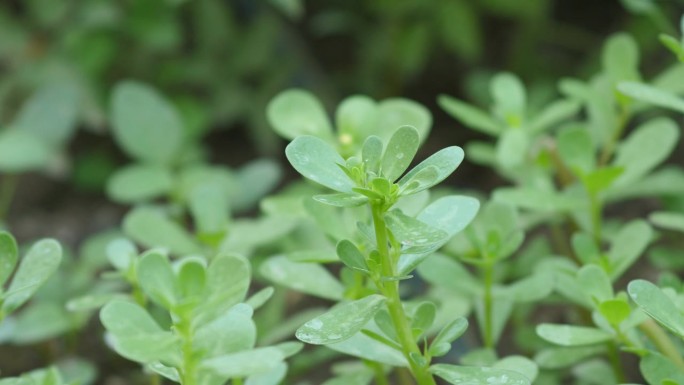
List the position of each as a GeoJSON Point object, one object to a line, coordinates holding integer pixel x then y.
{"type": "Point", "coordinates": [370, 254]}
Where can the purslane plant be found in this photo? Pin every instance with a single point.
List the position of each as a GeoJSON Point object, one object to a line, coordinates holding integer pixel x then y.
{"type": "Point", "coordinates": [389, 245]}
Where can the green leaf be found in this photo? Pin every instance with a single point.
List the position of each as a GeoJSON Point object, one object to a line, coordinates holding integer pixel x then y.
{"type": "Point", "coordinates": [245, 363]}
{"type": "Point", "coordinates": [318, 161]}
{"type": "Point", "coordinates": [467, 375]}
{"type": "Point", "coordinates": [530, 289]}
{"type": "Point", "coordinates": [627, 246]}
{"type": "Point", "coordinates": [657, 304]}
{"type": "Point", "coordinates": [341, 322]}
{"type": "Point", "coordinates": [157, 279]}
{"type": "Point", "coordinates": [121, 254]}
{"type": "Point", "coordinates": [674, 45]}
{"type": "Point", "coordinates": [451, 214]}
{"type": "Point", "coordinates": [136, 335]}
{"type": "Point", "coordinates": [37, 266]}
{"type": "Point", "coordinates": [362, 346]}
{"type": "Point", "coordinates": [146, 125]}
{"type": "Point", "coordinates": [558, 358]}
{"type": "Point", "coordinates": [231, 332]}
{"type": "Point", "coordinates": [399, 153]}
{"type": "Point", "coordinates": [355, 117]}
{"type": "Point", "coordinates": [511, 149]}
{"type": "Point", "coordinates": [51, 114]}
{"type": "Point", "coordinates": [351, 199]}
{"type": "Point", "coordinates": [652, 95]}
{"type": "Point", "coordinates": [8, 256]}
{"type": "Point", "coordinates": [471, 116]}
{"type": "Point", "coordinates": [371, 154]}
{"type": "Point", "coordinates": [538, 200]}
{"type": "Point", "coordinates": [568, 335]}
{"type": "Point", "coordinates": [620, 58]}
{"type": "Point", "coordinates": [424, 316]}
{"type": "Point", "coordinates": [152, 228]}
{"type": "Point", "coordinates": [414, 235]}
{"type": "Point", "coordinates": [274, 376]}
{"type": "Point", "coordinates": [40, 322]}
{"type": "Point", "coordinates": [615, 311]}
{"type": "Point", "coordinates": [508, 93]}
{"type": "Point", "coordinates": [351, 256]}
{"type": "Point", "coordinates": [444, 161]}
{"type": "Point", "coordinates": [595, 283]}
{"type": "Point", "coordinates": [139, 182]}
{"type": "Point", "coordinates": [255, 179]}
{"type": "Point", "coordinates": [668, 181]}
{"type": "Point", "coordinates": [585, 248]}
{"type": "Point", "coordinates": [576, 149]}
{"type": "Point", "coordinates": [657, 369]}
{"type": "Point", "coordinates": [601, 179]}
{"type": "Point", "coordinates": [554, 114]}
{"type": "Point", "coordinates": [308, 278]}
{"type": "Point", "coordinates": [396, 112]}
{"type": "Point", "coordinates": [297, 112]}
{"type": "Point", "coordinates": [22, 151]}
{"type": "Point", "coordinates": [648, 146]}
{"type": "Point", "coordinates": [228, 278]}
{"type": "Point", "coordinates": [519, 364]}
{"type": "Point", "coordinates": [446, 272]}
{"type": "Point", "coordinates": [441, 344]}
{"type": "Point", "coordinates": [210, 209]}
{"type": "Point", "coordinates": [664, 219]}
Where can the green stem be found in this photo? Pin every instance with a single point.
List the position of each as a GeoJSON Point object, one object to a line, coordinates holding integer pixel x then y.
{"type": "Point", "coordinates": [7, 188]}
{"type": "Point", "coordinates": [662, 342]}
{"type": "Point", "coordinates": [596, 211]}
{"type": "Point", "coordinates": [488, 335]}
{"type": "Point", "coordinates": [237, 381]}
{"type": "Point", "coordinates": [155, 379]}
{"type": "Point", "coordinates": [390, 289]}
{"type": "Point", "coordinates": [614, 357]}
{"type": "Point", "coordinates": [380, 378]}
{"type": "Point", "coordinates": [189, 366]}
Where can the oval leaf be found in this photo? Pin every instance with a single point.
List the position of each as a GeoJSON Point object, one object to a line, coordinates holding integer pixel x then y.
{"type": "Point", "coordinates": [318, 161]}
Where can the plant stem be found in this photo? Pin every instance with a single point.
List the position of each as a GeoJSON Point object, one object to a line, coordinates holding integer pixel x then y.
{"type": "Point", "coordinates": [380, 378]}
{"type": "Point", "coordinates": [390, 289]}
{"type": "Point", "coordinates": [488, 272]}
{"type": "Point", "coordinates": [595, 211]}
{"type": "Point", "coordinates": [7, 188]}
{"type": "Point", "coordinates": [188, 373]}
{"type": "Point", "coordinates": [614, 357]}
{"type": "Point", "coordinates": [237, 381]}
{"type": "Point", "coordinates": [662, 342]}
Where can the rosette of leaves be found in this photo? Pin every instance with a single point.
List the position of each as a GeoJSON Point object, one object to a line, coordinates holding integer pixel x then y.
{"type": "Point", "coordinates": [297, 112]}
{"type": "Point", "coordinates": [206, 334]}
{"type": "Point", "coordinates": [375, 324]}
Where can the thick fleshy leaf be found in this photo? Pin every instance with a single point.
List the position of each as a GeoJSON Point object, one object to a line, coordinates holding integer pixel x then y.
{"type": "Point", "coordinates": [362, 346]}
{"type": "Point", "coordinates": [563, 357]}
{"type": "Point", "coordinates": [157, 279]}
{"type": "Point", "coordinates": [245, 363]}
{"type": "Point", "coordinates": [8, 256]}
{"type": "Point", "coordinates": [341, 322]}
{"type": "Point", "coordinates": [652, 95]}
{"type": "Point", "coordinates": [414, 235]}
{"type": "Point", "coordinates": [255, 179]}
{"type": "Point", "coordinates": [228, 278]}
{"type": "Point", "coordinates": [576, 149]}
{"type": "Point", "coordinates": [451, 214]}
{"type": "Point", "coordinates": [569, 335]}
{"type": "Point", "coordinates": [22, 151]}
{"type": "Point", "coordinates": [519, 364]}
{"type": "Point", "coordinates": [274, 376]}
{"type": "Point", "coordinates": [308, 278]}
{"type": "Point", "coordinates": [471, 116]}
{"type": "Point", "coordinates": [657, 368]}
{"type": "Point", "coordinates": [350, 255]}
{"type": "Point", "coordinates": [538, 200]}
{"type": "Point", "coordinates": [620, 57]}
{"type": "Point", "coordinates": [666, 182]}
{"type": "Point", "coordinates": [51, 114]}
{"type": "Point", "coordinates": [371, 154]}
{"type": "Point", "coordinates": [318, 161]}
{"type": "Point", "coordinates": [210, 209]}
{"type": "Point", "coordinates": [342, 199]}
{"type": "Point", "coordinates": [470, 375]}
{"type": "Point", "coordinates": [399, 153]}
{"type": "Point", "coordinates": [444, 161]}
{"type": "Point", "coordinates": [139, 182]}
{"type": "Point", "coordinates": [297, 112]}
{"type": "Point", "coordinates": [554, 114]}
{"type": "Point", "coordinates": [666, 220]}
{"type": "Point", "coordinates": [648, 146]}
{"type": "Point", "coordinates": [145, 124]}
{"type": "Point", "coordinates": [509, 97]}
{"type": "Point", "coordinates": [628, 245]}
{"type": "Point", "coordinates": [396, 112]}
{"type": "Point", "coordinates": [657, 304]}
{"type": "Point", "coordinates": [136, 335]}
{"type": "Point", "coordinates": [231, 332]}
{"type": "Point", "coordinates": [533, 288]}
{"type": "Point", "coordinates": [152, 228]}
{"type": "Point", "coordinates": [595, 283]}
{"type": "Point", "coordinates": [35, 268]}
{"type": "Point", "coordinates": [441, 344]}
{"type": "Point", "coordinates": [512, 148]}
{"type": "Point", "coordinates": [449, 273]}
{"type": "Point", "coordinates": [356, 117]}
{"type": "Point", "coordinates": [32, 327]}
